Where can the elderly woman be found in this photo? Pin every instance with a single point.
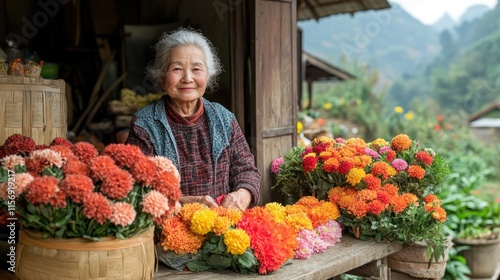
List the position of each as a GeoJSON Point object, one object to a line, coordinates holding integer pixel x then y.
{"type": "Point", "coordinates": [202, 138]}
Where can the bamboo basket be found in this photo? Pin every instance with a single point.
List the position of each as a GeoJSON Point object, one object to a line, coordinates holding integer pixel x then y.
{"type": "Point", "coordinates": [77, 258]}
{"type": "Point", "coordinates": [33, 107]}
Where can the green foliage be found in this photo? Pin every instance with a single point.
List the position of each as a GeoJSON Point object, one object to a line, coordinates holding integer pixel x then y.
{"type": "Point", "coordinates": [214, 255]}
{"type": "Point", "coordinates": [456, 267]}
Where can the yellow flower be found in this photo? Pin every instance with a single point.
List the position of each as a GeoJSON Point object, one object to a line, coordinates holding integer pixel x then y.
{"type": "Point", "coordinates": [355, 175]}
{"type": "Point", "coordinates": [379, 142]}
{"type": "Point", "coordinates": [299, 221]}
{"type": "Point", "coordinates": [409, 116]}
{"type": "Point", "coordinates": [277, 210]}
{"type": "Point", "coordinates": [399, 109]}
{"type": "Point", "coordinates": [300, 126]}
{"type": "Point", "coordinates": [203, 221]}
{"type": "Point", "coordinates": [221, 225]}
{"type": "Point", "coordinates": [237, 241]}
{"type": "Point", "coordinates": [327, 106]}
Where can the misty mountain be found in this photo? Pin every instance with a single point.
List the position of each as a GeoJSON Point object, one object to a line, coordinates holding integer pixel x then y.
{"type": "Point", "coordinates": [443, 23]}
{"type": "Point", "coordinates": [390, 40]}
{"type": "Point", "coordinates": [473, 12]}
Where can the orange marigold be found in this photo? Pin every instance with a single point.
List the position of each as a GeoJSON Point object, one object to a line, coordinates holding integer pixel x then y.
{"type": "Point", "coordinates": [358, 209]}
{"type": "Point", "coordinates": [415, 171]}
{"type": "Point", "coordinates": [401, 142]}
{"type": "Point", "coordinates": [179, 238]}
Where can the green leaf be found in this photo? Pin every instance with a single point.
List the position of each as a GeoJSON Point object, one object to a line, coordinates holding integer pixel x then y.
{"type": "Point", "coordinates": [219, 261]}
{"type": "Point", "coordinates": [198, 265]}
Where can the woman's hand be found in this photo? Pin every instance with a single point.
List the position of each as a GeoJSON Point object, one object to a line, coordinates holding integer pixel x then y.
{"type": "Point", "coordinates": [239, 199]}
{"type": "Point", "coordinates": [203, 199]}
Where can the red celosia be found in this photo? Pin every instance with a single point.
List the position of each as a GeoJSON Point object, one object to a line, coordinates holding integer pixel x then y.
{"type": "Point", "coordinates": [118, 184]}
{"type": "Point", "coordinates": [424, 157]}
{"type": "Point", "coordinates": [97, 207]}
{"type": "Point", "coordinates": [42, 190]}
{"type": "Point", "coordinates": [124, 154]}
{"type": "Point", "coordinates": [84, 151]}
{"type": "Point", "coordinates": [77, 186]}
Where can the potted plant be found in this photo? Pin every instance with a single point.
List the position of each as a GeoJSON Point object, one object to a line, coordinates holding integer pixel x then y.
{"type": "Point", "coordinates": [385, 190]}
{"type": "Point", "coordinates": [475, 223]}
{"type": "Point", "coordinates": [71, 200]}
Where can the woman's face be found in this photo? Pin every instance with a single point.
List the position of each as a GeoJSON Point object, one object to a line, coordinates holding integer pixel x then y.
{"type": "Point", "coordinates": [186, 75]}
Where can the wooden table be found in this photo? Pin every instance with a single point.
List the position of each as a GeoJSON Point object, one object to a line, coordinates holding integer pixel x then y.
{"type": "Point", "coordinates": [365, 258]}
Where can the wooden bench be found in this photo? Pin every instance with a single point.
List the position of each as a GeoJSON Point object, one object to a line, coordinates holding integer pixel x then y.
{"type": "Point", "coordinates": [364, 258]}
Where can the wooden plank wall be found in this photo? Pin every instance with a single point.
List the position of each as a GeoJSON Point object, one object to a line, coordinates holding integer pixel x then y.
{"type": "Point", "coordinates": [275, 84]}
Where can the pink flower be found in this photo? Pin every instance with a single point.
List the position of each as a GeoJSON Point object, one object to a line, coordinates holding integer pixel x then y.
{"type": "Point", "coordinates": [399, 164]}
{"type": "Point", "coordinates": [12, 160]}
{"type": "Point", "coordinates": [275, 165]}
{"type": "Point", "coordinates": [371, 153]}
{"type": "Point", "coordinates": [154, 203]}
{"type": "Point", "coordinates": [123, 214]}
{"type": "Point", "coordinates": [22, 181]}
{"type": "Point", "coordinates": [330, 232]}
{"type": "Point", "coordinates": [384, 149]}
{"type": "Point", "coordinates": [48, 157]}
{"type": "Point", "coordinates": [165, 165]}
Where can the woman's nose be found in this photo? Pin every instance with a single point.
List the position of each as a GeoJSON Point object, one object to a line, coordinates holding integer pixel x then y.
{"type": "Point", "coordinates": [187, 76]}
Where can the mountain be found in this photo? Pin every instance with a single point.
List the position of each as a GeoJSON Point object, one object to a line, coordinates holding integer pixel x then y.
{"type": "Point", "coordinates": [443, 23]}
{"type": "Point", "coordinates": [390, 40]}
{"type": "Point", "coordinates": [473, 12]}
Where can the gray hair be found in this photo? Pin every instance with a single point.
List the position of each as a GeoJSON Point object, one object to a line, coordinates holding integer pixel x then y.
{"type": "Point", "coordinates": [184, 37]}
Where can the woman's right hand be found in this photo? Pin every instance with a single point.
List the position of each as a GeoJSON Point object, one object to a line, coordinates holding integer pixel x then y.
{"type": "Point", "coordinates": [202, 199]}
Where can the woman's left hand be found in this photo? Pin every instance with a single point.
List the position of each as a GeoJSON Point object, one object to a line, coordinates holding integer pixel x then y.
{"type": "Point", "coordinates": [239, 199]}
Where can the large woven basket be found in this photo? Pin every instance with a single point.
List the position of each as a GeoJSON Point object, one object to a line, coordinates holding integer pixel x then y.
{"type": "Point", "coordinates": [33, 107]}
{"type": "Point", "coordinates": [77, 258]}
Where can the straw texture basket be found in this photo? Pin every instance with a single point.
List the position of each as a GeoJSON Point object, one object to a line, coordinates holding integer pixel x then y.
{"type": "Point", "coordinates": [33, 107]}
{"type": "Point", "coordinates": [78, 258]}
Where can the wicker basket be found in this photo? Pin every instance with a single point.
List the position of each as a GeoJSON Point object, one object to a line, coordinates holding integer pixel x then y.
{"type": "Point", "coordinates": [78, 258]}
{"type": "Point", "coordinates": [33, 107]}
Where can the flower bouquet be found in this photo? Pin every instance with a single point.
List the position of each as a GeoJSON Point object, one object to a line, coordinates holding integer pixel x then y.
{"type": "Point", "coordinates": [260, 239]}
{"type": "Point", "coordinates": [67, 190]}
{"type": "Point", "coordinates": [384, 190]}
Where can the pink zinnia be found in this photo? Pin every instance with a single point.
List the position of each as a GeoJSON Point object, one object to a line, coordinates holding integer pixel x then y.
{"type": "Point", "coordinates": [371, 153]}
{"type": "Point", "coordinates": [384, 149]}
{"type": "Point", "coordinates": [399, 164]}
{"type": "Point", "coordinates": [123, 214]}
{"type": "Point", "coordinates": [154, 203]}
{"type": "Point", "coordinates": [11, 161]}
{"type": "Point", "coordinates": [275, 165]}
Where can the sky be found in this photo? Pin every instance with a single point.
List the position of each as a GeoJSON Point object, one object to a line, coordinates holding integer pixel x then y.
{"type": "Point", "coordinates": [429, 11]}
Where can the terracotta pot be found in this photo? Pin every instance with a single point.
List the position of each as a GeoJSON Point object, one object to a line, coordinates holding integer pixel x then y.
{"type": "Point", "coordinates": [482, 256]}
{"type": "Point", "coordinates": [413, 261]}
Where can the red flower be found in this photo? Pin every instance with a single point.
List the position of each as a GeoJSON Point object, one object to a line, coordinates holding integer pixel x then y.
{"type": "Point", "coordinates": [77, 186]}
{"type": "Point", "coordinates": [309, 163]}
{"type": "Point", "coordinates": [118, 184]}
{"type": "Point", "coordinates": [345, 165]}
{"type": "Point", "coordinates": [74, 166]}
{"type": "Point", "coordinates": [168, 184]}
{"type": "Point", "coordinates": [424, 157]}
{"type": "Point", "coordinates": [124, 155]}
{"type": "Point", "coordinates": [372, 182]}
{"type": "Point", "coordinates": [84, 151]}
{"type": "Point", "coordinates": [143, 171]}
{"type": "Point", "coordinates": [96, 206]}
{"type": "Point", "coordinates": [59, 200]}
{"type": "Point", "coordinates": [101, 167]}
{"type": "Point", "coordinates": [42, 190]}
{"type": "Point", "coordinates": [66, 153]}
{"type": "Point", "coordinates": [19, 144]}
{"type": "Point", "coordinates": [375, 207]}
{"type": "Point", "coordinates": [61, 141]}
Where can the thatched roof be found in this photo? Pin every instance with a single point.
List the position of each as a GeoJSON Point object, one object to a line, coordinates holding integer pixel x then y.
{"type": "Point", "coordinates": [316, 9]}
